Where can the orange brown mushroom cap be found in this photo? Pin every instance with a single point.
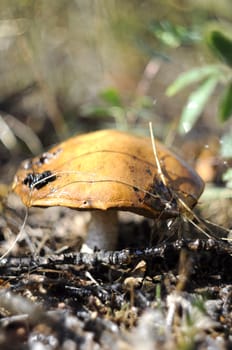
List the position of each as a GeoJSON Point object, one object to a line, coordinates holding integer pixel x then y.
{"type": "Point", "coordinates": [106, 170]}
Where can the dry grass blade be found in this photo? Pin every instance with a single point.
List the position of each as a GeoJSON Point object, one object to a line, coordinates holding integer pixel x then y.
{"type": "Point", "coordinates": [18, 236]}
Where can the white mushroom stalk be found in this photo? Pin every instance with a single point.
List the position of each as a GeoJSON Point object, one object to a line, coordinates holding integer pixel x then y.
{"type": "Point", "coordinates": [103, 230]}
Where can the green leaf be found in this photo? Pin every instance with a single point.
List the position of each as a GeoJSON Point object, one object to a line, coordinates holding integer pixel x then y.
{"type": "Point", "coordinates": [225, 106]}
{"type": "Point", "coordinates": [112, 97]}
{"type": "Point", "coordinates": [192, 76]}
{"type": "Point", "coordinates": [226, 145]}
{"type": "Point", "coordinates": [172, 34]}
{"type": "Point", "coordinates": [196, 103]}
{"type": "Point", "coordinates": [96, 111]}
{"type": "Point", "coordinates": [221, 45]}
{"type": "Point", "coordinates": [227, 177]}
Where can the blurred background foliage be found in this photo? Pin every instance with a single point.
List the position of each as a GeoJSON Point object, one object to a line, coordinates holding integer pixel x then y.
{"type": "Point", "coordinates": [73, 66]}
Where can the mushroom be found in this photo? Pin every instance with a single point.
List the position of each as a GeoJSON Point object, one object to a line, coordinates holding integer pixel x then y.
{"type": "Point", "coordinates": [106, 171]}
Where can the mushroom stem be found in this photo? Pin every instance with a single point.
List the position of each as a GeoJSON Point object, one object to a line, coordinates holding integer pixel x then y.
{"type": "Point", "coordinates": [103, 230]}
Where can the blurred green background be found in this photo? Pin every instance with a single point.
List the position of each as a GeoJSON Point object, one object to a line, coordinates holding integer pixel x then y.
{"type": "Point", "coordinates": [68, 67]}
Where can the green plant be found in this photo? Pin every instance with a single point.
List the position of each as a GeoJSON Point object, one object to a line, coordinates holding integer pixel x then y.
{"type": "Point", "coordinates": [111, 104]}
{"type": "Point", "coordinates": [174, 35]}
{"type": "Point", "coordinates": [207, 78]}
